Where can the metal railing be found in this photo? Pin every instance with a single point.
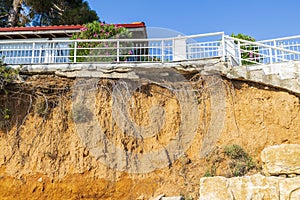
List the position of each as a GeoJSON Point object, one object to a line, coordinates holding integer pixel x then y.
{"type": "Point", "coordinates": [288, 43]}
{"type": "Point", "coordinates": [112, 50]}
{"type": "Point", "coordinates": [264, 52]}
{"type": "Point", "coordinates": [181, 48]}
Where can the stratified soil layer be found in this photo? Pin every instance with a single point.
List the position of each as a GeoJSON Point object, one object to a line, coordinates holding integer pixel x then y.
{"type": "Point", "coordinates": [42, 155]}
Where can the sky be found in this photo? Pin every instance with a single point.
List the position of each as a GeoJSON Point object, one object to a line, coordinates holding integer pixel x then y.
{"type": "Point", "coordinates": [261, 19]}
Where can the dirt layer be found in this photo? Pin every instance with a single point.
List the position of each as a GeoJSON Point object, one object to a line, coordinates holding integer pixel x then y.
{"type": "Point", "coordinates": [43, 157]}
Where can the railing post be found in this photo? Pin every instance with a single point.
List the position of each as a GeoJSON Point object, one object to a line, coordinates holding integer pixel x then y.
{"type": "Point", "coordinates": [239, 53]}
{"type": "Point", "coordinates": [75, 52]}
{"type": "Point", "coordinates": [271, 55]}
{"type": "Point", "coordinates": [40, 55]}
{"type": "Point", "coordinates": [179, 51]}
{"type": "Point", "coordinates": [162, 51]}
{"type": "Point", "coordinates": [223, 48]}
{"type": "Point", "coordinates": [173, 49]}
{"type": "Point", "coordinates": [32, 55]}
{"type": "Point", "coordinates": [276, 58]}
{"type": "Point", "coordinates": [118, 51]}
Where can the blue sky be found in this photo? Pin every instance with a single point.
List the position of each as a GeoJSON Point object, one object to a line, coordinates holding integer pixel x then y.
{"type": "Point", "coordinates": [261, 19]}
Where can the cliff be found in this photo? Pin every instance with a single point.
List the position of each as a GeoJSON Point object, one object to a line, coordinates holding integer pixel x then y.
{"type": "Point", "coordinates": [67, 138]}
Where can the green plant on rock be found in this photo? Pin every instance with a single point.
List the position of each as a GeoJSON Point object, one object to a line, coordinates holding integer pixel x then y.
{"type": "Point", "coordinates": [241, 162]}
{"type": "Point", "coordinates": [185, 197]}
{"type": "Point", "coordinates": [249, 53]}
{"type": "Point", "coordinates": [7, 75]}
{"type": "Point", "coordinates": [5, 113]}
{"type": "Point", "coordinates": [210, 172]}
{"type": "Point", "coordinates": [5, 117]}
{"type": "Point", "coordinates": [100, 51]}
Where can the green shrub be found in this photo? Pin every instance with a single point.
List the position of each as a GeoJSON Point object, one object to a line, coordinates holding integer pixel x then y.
{"type": "Point", "coordinates": [100, 51]}
{"type": "Point", "coordinates": [249, 53]}
{"type": "Point", "coordinates": [7, 75]}
{"type": "Point", "coordinates": [241, 163]}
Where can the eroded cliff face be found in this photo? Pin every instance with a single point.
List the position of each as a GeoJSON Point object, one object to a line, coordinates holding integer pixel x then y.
{"type": "Point", "coordinates": [113, 139]}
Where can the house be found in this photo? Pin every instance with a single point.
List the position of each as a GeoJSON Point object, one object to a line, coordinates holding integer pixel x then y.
{"type": "Point", "coordinates": [138, 30]}
{"type": "Point", "coordinates": [46, 44]}
{"type": "Point", "coordinates": [52, 44]}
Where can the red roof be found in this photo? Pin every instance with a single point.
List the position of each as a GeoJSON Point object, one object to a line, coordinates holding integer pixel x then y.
{"type": "Point", "coordinates": [64, 27]}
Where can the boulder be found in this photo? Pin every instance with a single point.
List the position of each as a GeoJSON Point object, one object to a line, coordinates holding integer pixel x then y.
{"type": "Point", "coordinates": [248, 187]}
{"type": "Point", "coordinates": [281, 159]}
{"type": "Point", "coordinates": [256, 187]}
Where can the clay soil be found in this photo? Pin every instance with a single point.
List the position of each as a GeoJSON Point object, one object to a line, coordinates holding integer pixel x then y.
{"type": "Point", "coordinates": [43, 157]}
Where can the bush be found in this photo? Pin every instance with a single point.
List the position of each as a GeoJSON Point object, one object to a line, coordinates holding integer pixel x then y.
{"type": "Point", "coordinates": [249, 53]}
{"type": "Point", "coordinates": [100, 51]}
{"type": "Point", "coordinates": [241, 162]}
{"type": "Point", "coordinates": [7, 75]}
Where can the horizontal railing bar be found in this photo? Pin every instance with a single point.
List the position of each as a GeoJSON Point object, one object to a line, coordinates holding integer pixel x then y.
{"type": "Point", "coordinates": [283, 38]}
{"type": "Point", "coordinates": [115, 40]}
{"type": "Point", "coordinates": [145, 50]}
{"type": "Point", "coordinates": [263, 45]}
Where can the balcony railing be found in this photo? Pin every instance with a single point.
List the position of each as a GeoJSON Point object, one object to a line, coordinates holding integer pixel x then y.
{"type": "Point", "coordinates": [112, 50]}
{"type": "Point", "coordinates": [264, 52]}
{"type": "Point", "coordinates": [181, 48]}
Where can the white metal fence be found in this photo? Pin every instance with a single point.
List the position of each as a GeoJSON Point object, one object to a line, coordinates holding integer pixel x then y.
{"type": "Point", "coordinates": [264, 52]}
{"type": "Point", "coordinates": [239, 52]}
{"type": "Point", "coordinates": [112, 50]}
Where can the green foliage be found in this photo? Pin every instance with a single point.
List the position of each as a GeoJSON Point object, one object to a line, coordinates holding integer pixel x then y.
{"type": "Point", "coordinates": [4, 11]}
{"type": "Point", "coordinates": [210, 172]}
{"type": "Point", "coordinates": [43, 13]}
{"type": "Point", "coordinates": [76, 12]}
{"type": "Point", "coordinates": [7, 75]}
{"type": "Point", "coordinates": [184, 197]}
{"type": "Point", "coordinates": [241, 161]}
{"type": "Point", "coordinates": [100, 51]}
{"type": "Point", "coordinates": [243, 37]}
{"type": "Point", "coordinates": [6, 113]}
{"type": "Point", "coordinates": [249, 53]}
{"type": "Point", "coordinates": [5, 116]}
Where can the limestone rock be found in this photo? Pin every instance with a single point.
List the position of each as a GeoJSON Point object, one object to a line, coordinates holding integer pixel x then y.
{"type": "Point", "coordinates": [248, 187]}
{"type": "Point", "coordinates": [214, 188]}
{"type": "Point", "coordinates": [290, 188]}
{"type": "Point", "coordinates": [281, 159]}
{"type": "Point", "coordinates": [159, 197]}
{"type": "Point", "coordinates": [256, 187]}
{"type": "Point", "coordinates": [172, 198]}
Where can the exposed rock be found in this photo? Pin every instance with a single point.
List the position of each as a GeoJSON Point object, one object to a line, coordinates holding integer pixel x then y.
{"type": "Point", "coordinates": [162, 197]}
{"type": "Point", "coordinates": [214, 188]}
{"type": "Point", "coordinates": [172, 198]}
{"type": "Point", "coordinates": [289, 188]}
{"type": "Point", "coordinates": [281, 159]}
{"type": "Point", "coordinates": [159, 197]}
{"type": "Point", "coordinates": [249, 187]}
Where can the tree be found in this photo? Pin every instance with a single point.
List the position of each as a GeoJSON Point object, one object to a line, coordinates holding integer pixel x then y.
{"type": "Point", "coordinates": [4, 11]}
{"type": "Point", "coordinates": [76, 12]}
{"type": "Point", "coordinates": [49, 12]}
{"type": "Point", "coordinates": [61, 12]}
{"type": "Point", "coordinates": [14, 13]}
